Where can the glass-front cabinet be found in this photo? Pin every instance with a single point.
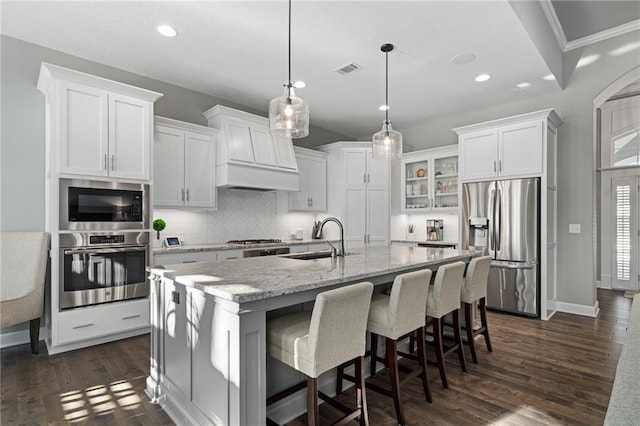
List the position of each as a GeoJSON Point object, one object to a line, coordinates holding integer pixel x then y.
{"type": "Point", "coordinates": [430, 180]}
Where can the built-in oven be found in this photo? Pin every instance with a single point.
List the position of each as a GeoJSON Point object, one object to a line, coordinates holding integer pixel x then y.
{"type": "Point", "coordinates": [102, 267]}
{"type": "Point", "coordinates": [87, 205]}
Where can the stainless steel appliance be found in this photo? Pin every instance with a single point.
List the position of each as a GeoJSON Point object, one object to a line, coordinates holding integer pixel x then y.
{"type": "Point", "coordinates": [502, 218]}
{"type": "Point", "coordinates": [102, 267]}
{"type": "Point", "coordinates": [87, 205]}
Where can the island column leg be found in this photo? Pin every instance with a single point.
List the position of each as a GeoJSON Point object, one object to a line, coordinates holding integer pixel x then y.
{"type": "Point", "coordinates": [156, 313]}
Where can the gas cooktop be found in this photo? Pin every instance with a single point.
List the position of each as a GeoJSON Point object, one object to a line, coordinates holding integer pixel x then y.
{"type": "Point", "coordinates": [259, 241]}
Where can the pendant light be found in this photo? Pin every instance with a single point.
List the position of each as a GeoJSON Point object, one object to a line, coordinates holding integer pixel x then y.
{"type": "Point", "coordinates": [387, 143]}
{"type": "Point", "coordinates": [289, 114]}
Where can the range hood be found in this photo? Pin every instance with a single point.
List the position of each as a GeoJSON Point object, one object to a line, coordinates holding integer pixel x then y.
{"type": "Point", "coordinates": [247, 156]}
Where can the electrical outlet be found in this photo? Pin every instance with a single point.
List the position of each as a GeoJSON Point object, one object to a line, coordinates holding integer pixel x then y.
{"type": "Point", "coordinates": [574, 228]}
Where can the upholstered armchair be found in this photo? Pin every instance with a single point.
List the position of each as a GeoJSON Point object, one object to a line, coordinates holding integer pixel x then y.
{"type": "Point", "coordinates": [23, 267]}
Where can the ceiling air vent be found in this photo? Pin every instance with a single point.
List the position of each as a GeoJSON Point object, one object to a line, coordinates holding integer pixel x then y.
{"type": "Point", "coordinates": [348, 69]}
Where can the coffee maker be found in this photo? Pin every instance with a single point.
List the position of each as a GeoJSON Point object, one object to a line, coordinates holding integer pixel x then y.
{"type": "Point", "coordinates": [434, 229]}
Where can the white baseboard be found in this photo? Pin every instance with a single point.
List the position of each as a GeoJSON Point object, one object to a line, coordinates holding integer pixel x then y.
{"type": "Point", "coordinates": [604, 283]}
{"type": "Point", "coordinates": [20, 337]}
{"type": "Point", "coordinates": [573, 308]}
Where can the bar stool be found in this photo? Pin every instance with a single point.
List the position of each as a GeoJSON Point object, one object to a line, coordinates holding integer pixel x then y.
{"type": "Point", "coordinates": [475, 289]}
{"type": "Point", "coordinates": [444, 298]}
{"type": "Point", "coordinates": [394, 316]}
{"type": "Point", "coordinates": [315, 342]}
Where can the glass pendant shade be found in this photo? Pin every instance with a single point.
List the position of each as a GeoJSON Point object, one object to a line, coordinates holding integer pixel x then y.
{"type": "Point", "coordinates": [289, 115]}
{"type": "Point", "coordinates": [387, 143]}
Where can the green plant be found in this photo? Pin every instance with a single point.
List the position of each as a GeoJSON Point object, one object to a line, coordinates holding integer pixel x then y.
{"type": "Point", "coordinates": [411, 228]}
{"type": "Point", "coordinates": [159, 225]}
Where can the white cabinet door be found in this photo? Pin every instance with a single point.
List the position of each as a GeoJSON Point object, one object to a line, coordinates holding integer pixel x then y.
{"type": "Point", "coordinates": [83, 130]}
{"type": "Point", "coordinates": [317, 184]}
{"type": "Point", "coordinates": [299, 200]}
{"type": "Point", "coordinates": [479, 155]}
{"type": "Point", "coordinates": [129, 137]}
{"type": "Point", "coordinates": [354, 168]}
{"type": "Point", "coordinates": [377, 207]}
{"type": "Point", "coordinates": [520, 149]}
{"type": "Point", "coordinates": [230, 254]}
{"type": "Point", "coordinates": [285, 155]}
{"type": "Point", "coordinates": [238, 135]}
{"type": "Point", "coordinates": [168, 170]}
{"type": "Point", "coordinates": [263, 150]}
{"type": "Point", "coordinates": [199, 170]}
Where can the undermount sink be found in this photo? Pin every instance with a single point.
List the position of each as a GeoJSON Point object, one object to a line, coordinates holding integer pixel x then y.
{"type": "Point", "coordinates": [308, 255]}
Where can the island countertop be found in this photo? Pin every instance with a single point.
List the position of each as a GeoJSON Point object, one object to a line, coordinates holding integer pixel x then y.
{"type": "Point", "coordinates": [260, 278]}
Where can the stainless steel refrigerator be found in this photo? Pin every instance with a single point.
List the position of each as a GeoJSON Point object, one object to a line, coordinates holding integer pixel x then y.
{"type": "Point", "coordinates": [502, 218]}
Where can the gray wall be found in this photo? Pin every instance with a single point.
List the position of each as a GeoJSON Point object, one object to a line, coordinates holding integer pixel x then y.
{"type": "Point", "coordinates": [22, 119]}
{"type": "Point", "coordinates": [576, 155]}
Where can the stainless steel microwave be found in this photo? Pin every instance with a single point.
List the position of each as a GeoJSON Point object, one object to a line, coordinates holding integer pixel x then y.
{"type": "Point", "coordinates": [96, 205]}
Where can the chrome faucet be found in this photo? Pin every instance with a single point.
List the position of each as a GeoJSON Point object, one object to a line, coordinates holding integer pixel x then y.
{"type": "Point", "coordinates": [319, 233]}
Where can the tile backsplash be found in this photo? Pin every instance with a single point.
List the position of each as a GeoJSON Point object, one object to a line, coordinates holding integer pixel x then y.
{"type": "Point", "coordinates": [240, 215]}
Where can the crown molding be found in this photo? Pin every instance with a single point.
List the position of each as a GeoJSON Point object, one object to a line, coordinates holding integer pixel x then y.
{"type": "Point", "coordinates": [603, 35]}
{"type": "Point", "coordinates": [550, 13]}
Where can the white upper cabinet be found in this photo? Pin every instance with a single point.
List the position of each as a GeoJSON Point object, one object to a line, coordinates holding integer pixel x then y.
{"type": "Point", "coordinates": [98, 127]}
{"type": "Point", "coordinates": [184, 164]}
{"type": "Point", "coordinates": [248, 155]}
{"type": "Point", "coordinates": [312, 169]}
{"type": "Point", "coordinates": [507, 148]}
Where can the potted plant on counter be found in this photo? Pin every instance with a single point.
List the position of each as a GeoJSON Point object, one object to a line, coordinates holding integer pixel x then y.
{"type": "Point", "coordinates": [159, 225]}
{"type": "Point", "coordinates": [411, 229]}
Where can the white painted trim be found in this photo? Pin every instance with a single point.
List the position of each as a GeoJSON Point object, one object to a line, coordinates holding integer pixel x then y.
{"type": "Point", "coordinates": [604, 282]}
{"type": "Point", "coordinates": [614, 88]}
{"type": "Point", "coordinates": [573, 308]}
{"type": "Point", "coordinates": [602, 35]}
{"type": "Point", "coordinates": [52, 350]}
{"type": "Point", "coordinates": [183, 125]}
{"type": "Point", "coordinates": [20, 337]}
{"type": "Point", "coordinates": [552, 17]}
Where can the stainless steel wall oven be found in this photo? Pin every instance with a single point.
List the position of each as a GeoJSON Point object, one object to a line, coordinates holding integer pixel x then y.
{"type": "Point", "coordinates": [102, 267]}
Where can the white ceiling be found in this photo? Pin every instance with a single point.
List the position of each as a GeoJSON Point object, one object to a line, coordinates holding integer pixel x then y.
{"type": "Point", "coordinates": [237, 50]}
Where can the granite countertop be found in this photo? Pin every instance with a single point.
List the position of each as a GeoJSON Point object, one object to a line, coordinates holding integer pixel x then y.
{"type": "Point", "coordinates": [227, 246]}
{"type": "Point", "coordinates": [259, 278]}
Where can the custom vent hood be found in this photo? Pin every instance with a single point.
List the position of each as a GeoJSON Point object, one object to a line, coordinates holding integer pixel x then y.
{"type": "Point", "coordinates": [247, 156]}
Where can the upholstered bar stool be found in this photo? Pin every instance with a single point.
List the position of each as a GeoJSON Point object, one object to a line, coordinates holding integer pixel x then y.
{"type": "Point", "coordinates": [444, 298]}
{"type": "Point", "coordinates": [475, 289]}
{"type": "Point", "coordinates": [318, 341]}
{"type": "Point", "coordinates": [394, 316]}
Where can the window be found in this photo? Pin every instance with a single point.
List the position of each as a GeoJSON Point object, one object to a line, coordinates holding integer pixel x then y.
{"type": "Point", "coordinates": [623, 232]}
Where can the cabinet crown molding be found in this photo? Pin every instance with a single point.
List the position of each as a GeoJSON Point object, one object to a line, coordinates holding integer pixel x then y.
{"type": "Point", "coordinates": [182, 125]}
{"type": "Point", "coordinates": [547, 114]}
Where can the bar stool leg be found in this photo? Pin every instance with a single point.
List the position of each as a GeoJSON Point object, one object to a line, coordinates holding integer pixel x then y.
{"type": "Point", "coordinates": [468, 322]}
{"type": "Point", "coordinates": [392, 360]}
{"type": "Point", "coordinates": [483, 319]}
{"type": "Point", "coordinates": [374, 353]}
{"type": "Point", "coordinates": [313, 416]}
{"type": "Point", "coordinates": [458, 337]}
{"type": "Point", "coordinates": [361, 395]}
{"type": "Point", "coordinates": [437, 340]}
{"type": "Point", "coordinates": [422, 362]}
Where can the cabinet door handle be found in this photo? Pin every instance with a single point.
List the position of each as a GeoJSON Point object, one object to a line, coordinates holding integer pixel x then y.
{"type": "Point", "coordinates": [182, 194]}
{"type": "Point", "coordinates": [113, 162]}
{"type": "Point", "coordinates": [494, 166]}
{"type": "Point", "coordinates": [187, 194]}
{"type": "Point", "coordinates": [83, 326]}
{"type": "Point", "coordinates": [500, 165]}
{"type": "Point", "coordinates": [310, 201]}
{"type": "Point", "coordinates": [131, 317]}
{"type": "Point", "coordinates": [106, 162]}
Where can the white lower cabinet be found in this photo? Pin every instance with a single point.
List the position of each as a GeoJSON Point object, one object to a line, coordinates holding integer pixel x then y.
{"type": "Point", "coordinates": [96, 321]}
{"type": "Point", "coordinates": [184, 164]}
{"type": "Point", "coordinates": [196, 256]}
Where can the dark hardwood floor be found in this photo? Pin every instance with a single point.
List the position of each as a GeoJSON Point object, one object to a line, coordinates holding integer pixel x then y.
{"type": "Point", "coordinates": [554, 372]}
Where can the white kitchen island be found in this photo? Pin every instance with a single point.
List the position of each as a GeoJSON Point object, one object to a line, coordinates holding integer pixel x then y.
{"type": "Point", "coordinates": [208, 336]}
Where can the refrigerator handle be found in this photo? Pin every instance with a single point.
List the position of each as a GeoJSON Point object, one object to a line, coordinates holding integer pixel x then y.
{"type": "Point", "coordinates": [492, 223]}
{"type": "Point", "coordinates": [497, 219]}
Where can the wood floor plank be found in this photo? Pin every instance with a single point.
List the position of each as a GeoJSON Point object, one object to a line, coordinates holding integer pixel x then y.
{"type": "Point", "coordinates": [555, 372]}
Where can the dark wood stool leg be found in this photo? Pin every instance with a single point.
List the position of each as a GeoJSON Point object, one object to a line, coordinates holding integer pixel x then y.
{"type": "Point", "coordinates": [468, 322]}
{"type": "Point", "coordinates": [361, 394]}
{"type": "Point", "coordinates": [483, 319]}
{"type": "Point", "coordinates": [339, 379]}
{"type": "Point", "coordinates": [313, 416]}
{"type": "Point", "coordinates": [437, 340]}
{"type": "Point", "coordinates": [374, 353]}
{"type": "Point", "coordinates": [422, 362]}
{"type": "Point", "coordinates": [412, 343]}
{"type": "Point", "coordinates": [394, 378]}
{"type": "Point", "coordinates": [458, 337]}
{"type": "Point", "coordinates": [34, 335]}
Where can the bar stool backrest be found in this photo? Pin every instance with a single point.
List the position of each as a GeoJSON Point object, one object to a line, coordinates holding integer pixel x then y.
{"type": "Point", "coordinates": [337, 332]}
{"type": "Point", "coordinates": [475, 283]}
{"type": "Point", "coordinates": [408, 301]}
{"type": "Point", "coordinates": [445, 294]}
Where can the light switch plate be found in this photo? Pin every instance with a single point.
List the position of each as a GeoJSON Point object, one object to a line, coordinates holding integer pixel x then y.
{"type": "Point", "coordinates": [574, 228]}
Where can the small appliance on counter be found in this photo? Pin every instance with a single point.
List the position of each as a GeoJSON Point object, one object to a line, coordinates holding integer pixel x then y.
{"type": "Point", "coordinates": [434, 229]}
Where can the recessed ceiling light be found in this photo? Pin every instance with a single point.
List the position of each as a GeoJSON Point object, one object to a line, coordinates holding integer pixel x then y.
{"type": "Point", "coordinates": [299, 84]}
{"type": "Point", "coordinates": [383, 107]}
{"type": "Point", "coordinates": [483, 77]}
{"type": "Point", "coordinates": [549, 77]}
{"type": "Point", "coordinates": [523, 85]}
{"type": "Point", "coordinates": [464, 58]}
{"type": "Point", "coordinates": [167, 30]}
